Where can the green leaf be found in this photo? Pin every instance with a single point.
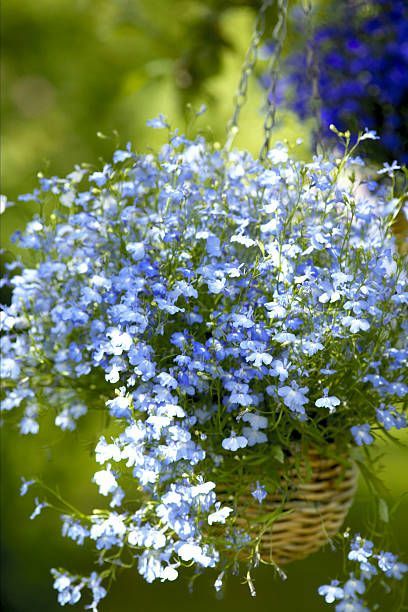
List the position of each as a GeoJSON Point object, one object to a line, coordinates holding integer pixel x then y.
{"type": "Point", "coordinates": [277, 453]}
{"type": "Point", "coordinates": [373, 481]}
{"type": "Point", "coordinates": [383, 510]}
{"type": "Point", "coordinates": [261, 247]}
{"type": "Point", "coordinates": [270, 517]}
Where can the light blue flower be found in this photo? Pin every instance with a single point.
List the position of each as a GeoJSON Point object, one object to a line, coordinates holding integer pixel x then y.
{"type": "Point", "coordinates": [254, 436]}
{"type": "Point", "coordinates": [68, 592]}
{"type": "Point", "coordinates": [389, 168]}
{"type": "Point", "coordinates": [391, 419]}
{"type": "Point", "coordinates": [158, 122]}
{"type": "Point", "coordinates": [361, 434]}
{"type": "Point", "coordinates": [136, 249]}
{"type": "Point", "coordinates": [234, 442]}
{"type": "Point", "coordinates": [220, 515]}
{"type": "Point", "coordinates": [331, 592]}
{"type": "Point", "coordinates": [73, 529]}
{"type": "Point", "coordinates": [389, 564]}
{"type": "Point", "coordinates": [28, 425]}
{"type": "Point", "coordinates": [120, 156]}
{"type": "Point", "coordinates": [360, 550]}
{"type": "Point", "coordinates": [9, 368]}
{"type": "Point", "coordinates": [106, 481]}
{"type": "Point", "coordinates": [39, 507]}
{"type": "Point", "coordinates": [353, 586]}
{"type": "Point", "coordinates": [213, 246]}
{"type": "Point", "coordinates": [259, 359]}
{"type": "Point", "coordinates": [256, 421]}
{"type": "Point", "coordinates": [294, 397]}
{"type": "Point", "coordinates": [25, 485]}
{"type": "Point", "coordinates": [280, 368]}
{"type": "Point", "coordinates": [100, 178]}
{"type": "Point", "coordinates": [355, 325]}
{"type": "Point", "coordinates": [259, 492]}
{"type": "Point", "coordinates": [330, 402]}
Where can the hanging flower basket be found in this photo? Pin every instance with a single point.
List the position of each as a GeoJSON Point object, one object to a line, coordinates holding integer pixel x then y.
{"type": "Point", "coordinates": [228, 310]}
{"type": "Point", "coordinates": [306, 511]}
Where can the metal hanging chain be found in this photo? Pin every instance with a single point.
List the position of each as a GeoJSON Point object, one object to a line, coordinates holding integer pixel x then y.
{"type": "Point", "coordinates": [312, 69]}
{"type": "Point", "coordinates": [278, 37]}
{"type": "Point", "coordinates": [247, 69]}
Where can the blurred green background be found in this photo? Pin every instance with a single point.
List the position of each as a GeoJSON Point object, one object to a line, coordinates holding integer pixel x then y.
{"type": "Point", "coordinates": [73, 69]}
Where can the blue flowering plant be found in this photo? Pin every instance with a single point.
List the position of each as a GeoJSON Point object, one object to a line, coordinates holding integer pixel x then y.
{"type": "Point", "coordinates": [223, 311]}
{"type": "Point", "coordinates": [352, 71]}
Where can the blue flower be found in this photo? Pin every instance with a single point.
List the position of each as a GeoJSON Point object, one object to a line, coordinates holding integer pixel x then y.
{"type": "Point", "coordinates": [256, 421]}
{"type": "Point", "coordinates": [213, 246]}
{"type": "Point", "coordinates": [28, 425]}
{"type": "Point", "coordinates": [259, 492]}
{"type": "Point", "coordinates": [39, 507]}
{"type": "Point", "coordinates": [361, 65]}
{"type": "Point", "coordinates": [216, 284]}
{"type": "Point", "coordinates": [234, 442]}
{"type": "Point", "coordinates": [330, 402]}
{"type": "Point", "coordinates": [353, 586]}
{"type": "Point", "coordinates": [100, 178]}
{"type": "Point", "coordinates": [280, 368]}
{"type": "Point", "coordinates": [158, 122]}
{"type": "Point", "coordinates": [369, 135]}
{"type": "Point", "coordinates": [240, 395]}
{"type": "Point", "coordinates": [136, 249]}
{"type": "Point", "coordinates": [149, 564]}
{"type": "Point", "coordinates": [361, 434]}
{"type": "Point", "coordinates": [106, 481]}
{"type": "Point", "coordinates": [361, 549]}
{"type": "Point", "coordinates": [254, 436]}
{"type": "Point", "coordinates": [68, 592]}
{"type": "Point", "coordinates": [355, 325]}
{"type": "Point", "coordinates": [98, 591]}
{"type": "Point", "coordinates": [389, 564]}
{"type": "Point", "coordinates": [331, 592]}
{"type": "Point", "coordinates": [9, 368]}
{"type": "Point", "coordinates": [389, 169]}
{"type": "Point", "coordinates": [220, 515]}
{"type": "Point", "coordinates": [391, 419]}
{"type": "Point", "coordinates": [259, 359]}
{"type": "Point", "coordinates": [25, 485]}
{"type": "Point", "coordinates": [73, 529]}
{"type": "Point", "coordinates": [294, 397]}
{"type": "Point", "coordinates": [120, 156]}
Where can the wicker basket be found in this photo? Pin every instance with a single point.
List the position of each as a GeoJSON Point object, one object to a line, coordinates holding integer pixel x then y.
{"type": "Point", "coordinates": [309, 512]}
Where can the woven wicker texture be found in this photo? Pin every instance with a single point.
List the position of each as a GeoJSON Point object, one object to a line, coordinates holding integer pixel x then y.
{"type": "Point", "coordinates": [310, 511]}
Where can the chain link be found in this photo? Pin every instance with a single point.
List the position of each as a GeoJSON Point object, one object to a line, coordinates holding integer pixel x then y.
{"type": "Point", "coordinates": [278, 37]}
{"type": "Point", "coordinates": [247, 69]}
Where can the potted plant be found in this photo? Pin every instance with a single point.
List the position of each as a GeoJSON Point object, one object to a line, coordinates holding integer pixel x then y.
{"type": "Point", "coordinates": [242, 321]}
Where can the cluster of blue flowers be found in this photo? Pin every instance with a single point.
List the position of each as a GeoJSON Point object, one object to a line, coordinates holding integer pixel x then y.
{"type": "Point", "coordinates": [349, 597]}
{"type": "Point", "coordinates": [361, 60]}
{"type": "Point", "coordinates": [222, 306]}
